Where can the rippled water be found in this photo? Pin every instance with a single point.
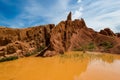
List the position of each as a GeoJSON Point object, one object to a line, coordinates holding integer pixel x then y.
{"type": "Point", "coordinates": [75, 66]}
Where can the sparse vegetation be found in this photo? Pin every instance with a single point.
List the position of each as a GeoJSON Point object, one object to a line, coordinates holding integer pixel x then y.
{"type": "Point", "coordinates": [91, 46]}
{"type": "Point", "coordinates": [78, 49]}
{"type": "Point", "coordinates": [8, 58]}
{"type": "Point", "coordinates": [30, 54]}
{"type": "Point", "coordinates": [88, 47]}
{"type": "Point", "coordinates": [40, 48]}
{"type": "Point", "coordinates": [27, 54]}
{"type": "Point", "coordinates": [72, 56]}
{"type": "Point", "coordinates": [80, 56]}
{"type": "Point", "coordinates": [106, 45]}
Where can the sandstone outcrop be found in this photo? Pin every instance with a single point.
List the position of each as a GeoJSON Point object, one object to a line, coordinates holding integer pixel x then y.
{"type": "Point", "coordinates": [69, 17]}
{"type": "Point", "coordinates": [75, 35]}
{"type": "Point", "coordinates": [107, 32]}
{"type": "Point", "coordinates": [49, 40]}
{"type": "Point", "coordinates": [118, 34]}
{"type": "Point", "coordinates": [22, 41]}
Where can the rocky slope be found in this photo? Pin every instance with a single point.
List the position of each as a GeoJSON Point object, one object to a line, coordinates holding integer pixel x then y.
{"type": "Point", "coordinates": [51, 40]}
{"type": "Point", "coordinates": [20, 42]}
{"type": "Point", "coordinates": [75, 35]}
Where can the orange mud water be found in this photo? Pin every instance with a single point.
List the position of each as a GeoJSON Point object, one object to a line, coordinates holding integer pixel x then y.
{"type": "Point", "coordinates": [71, 66]}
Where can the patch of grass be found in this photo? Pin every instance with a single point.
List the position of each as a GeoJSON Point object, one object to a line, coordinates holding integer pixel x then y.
{"type": "Point", "coordinates": [27, 55]}
{"type": "Point", "coordinates": [78, 49]}
{"type": "Point", "coordinates": [8, 58]}
{"type": "Point", "coordinates": [76, 55]}
{"type": "Point", "coordinates": [91, 46]}
{"type": "Point", "coordinates": [64, 56]}
{"type": "Point", "coordinates": [106, 45]}
{"type": "Point", "coordinates": [82, 48]}
{"type": "Point", "coordinates": [30, 54]}
{"type": "Point", "coordinates": [79, 56]}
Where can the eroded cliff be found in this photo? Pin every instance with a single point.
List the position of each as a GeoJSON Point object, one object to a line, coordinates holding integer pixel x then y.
{"type": "Point", "coordinates": [49, 40]}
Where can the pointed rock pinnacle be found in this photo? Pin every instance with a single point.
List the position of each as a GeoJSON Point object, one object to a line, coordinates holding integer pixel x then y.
{"type": "Point", "coordinates": [69, 17]}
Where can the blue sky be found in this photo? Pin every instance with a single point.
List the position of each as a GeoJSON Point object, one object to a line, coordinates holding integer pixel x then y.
{"type": "Point", "coordinates": [98, 14]}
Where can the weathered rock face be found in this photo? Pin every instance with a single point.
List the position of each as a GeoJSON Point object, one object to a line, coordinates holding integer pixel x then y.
{"type": "Point", "coordinates": [118, 34]}
{"type": "Point", "coordinates": [68, 35]}
{"type": "Point", "coordinates": [51, 40]}
{"type": "Point", "coordinates": [75, 35]}
{"type": "Point", "coordinates": [107, 32]}
{"type": "Point", "coordinates": [14, 41]}
{"type": "Point", "coordinates": [69, 17]}
{"type": "Point", "coordinates": [116, 49]}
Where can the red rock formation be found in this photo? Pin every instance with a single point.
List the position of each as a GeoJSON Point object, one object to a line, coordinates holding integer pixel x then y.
{"type": "Point", "coordinates": [118, 34]}
{"type": "Point", "coordinates": [69, 17]}
{"type": "Point", "coordinates": [51, 40]}
{"type": "Point", "coordinates": [107, 32]}
{"type": "Point", "coordinates": [69, 35]}
{"type": "Point", "coordinates": [13, 41]}
{"type": "Point", "coordinates": [116, 49]}
{"type": "Point", "coordinates": [74, 35]}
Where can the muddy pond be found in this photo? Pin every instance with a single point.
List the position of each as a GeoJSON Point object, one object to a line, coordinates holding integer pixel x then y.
{"type": "Point", "coordinates": [70, 66]}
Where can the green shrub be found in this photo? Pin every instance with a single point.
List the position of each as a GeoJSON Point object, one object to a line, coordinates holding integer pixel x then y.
{"type": "Point", "coordinates": [106, 45]}
{"type": "Point", "coordinates": [29, 54]}
{"type": "Point", "coordinates": [87, 47]}
{"type": "Point", "coordinates": [8, 58]}
{"type": "Point", "coordinates": [78, 49]}
{"type": "Point", "coordinates": [91, 46]}
{"type": "Point", "coordinates": [41, 48]}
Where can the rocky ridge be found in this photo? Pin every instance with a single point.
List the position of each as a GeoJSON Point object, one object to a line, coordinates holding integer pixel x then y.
{"type": "Point", "coordinates": [50, 40]}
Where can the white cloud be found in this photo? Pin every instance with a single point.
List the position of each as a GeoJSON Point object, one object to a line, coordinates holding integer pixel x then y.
{"type": "Point", "coordinates": [100, 14]}
{"type": "Point", "coordinates": [33, 12]}
{"type": "Point", "coordinates": [78, 13]}
{"type": "Point", "coordinates": [79, 1]}
{"type": "Point", "coordinates": [52, 14]}
{"type": "Point", "coordinates": [97, 13]}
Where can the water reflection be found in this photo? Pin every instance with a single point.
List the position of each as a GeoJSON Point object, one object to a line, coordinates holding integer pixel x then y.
{"type": "Point", "coordinates": [71, 66]}
{"type": "Point", "coordinates": [99, 70]}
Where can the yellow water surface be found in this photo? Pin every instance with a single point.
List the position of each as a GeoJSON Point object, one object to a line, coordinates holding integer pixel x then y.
{"type": "Point", "coordinates": [70, 66]}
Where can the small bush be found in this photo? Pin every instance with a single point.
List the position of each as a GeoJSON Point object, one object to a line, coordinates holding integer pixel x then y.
{"type": "Point", "coordinates": [106, 45]}
{"type": "Point", "coordinates": [29, 54]}
{"type": "Point", "coordinates": [87, 47]}
{"type": "Point", "coordinates": [41, 48]}
{"type": "Point", "coordinates": [78, 49]}
{"type": "Point", "coordinates": [91, 46]}
{"type": "Point", "coordinates": [8, 58]}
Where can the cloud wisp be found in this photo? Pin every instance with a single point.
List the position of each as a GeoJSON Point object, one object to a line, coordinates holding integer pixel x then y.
{"type": "Point", "coordinates": [98, 14]}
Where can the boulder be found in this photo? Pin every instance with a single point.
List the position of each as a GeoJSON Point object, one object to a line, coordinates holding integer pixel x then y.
{"type": "Point", "coordinates": [107, 32]}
